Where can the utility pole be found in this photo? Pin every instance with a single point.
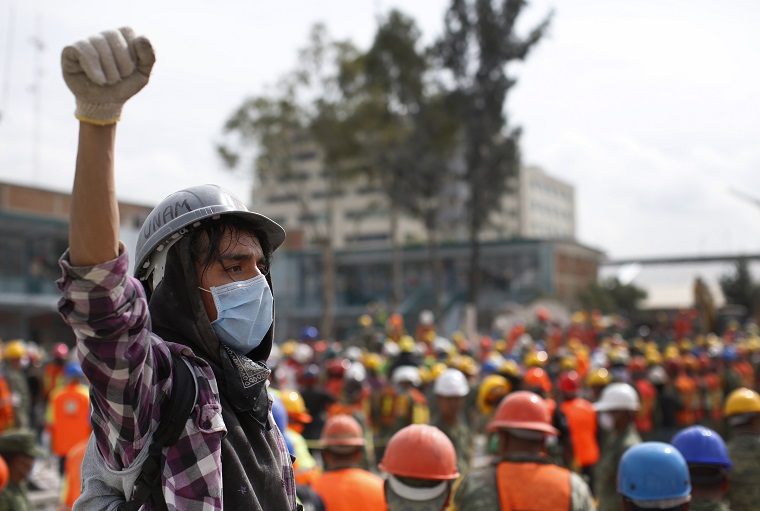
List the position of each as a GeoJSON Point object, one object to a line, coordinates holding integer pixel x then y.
{"type": "Point", "coordinates": [36, 89]}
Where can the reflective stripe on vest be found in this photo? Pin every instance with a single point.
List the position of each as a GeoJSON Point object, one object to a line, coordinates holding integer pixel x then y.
{"type": "Point", "coordinates": [531, 486]}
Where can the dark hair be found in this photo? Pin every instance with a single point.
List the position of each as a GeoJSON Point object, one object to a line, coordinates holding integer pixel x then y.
{"type": "Point", "coordinates": [206, 240]}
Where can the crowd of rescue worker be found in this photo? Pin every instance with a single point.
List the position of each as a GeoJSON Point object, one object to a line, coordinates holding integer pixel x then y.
{"type": "Point", "coordinates": [542, 417]}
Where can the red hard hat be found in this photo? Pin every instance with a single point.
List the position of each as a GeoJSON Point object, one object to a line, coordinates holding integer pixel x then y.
{"type": "Point", "coordinates": [60, 351]}
{"type": "Point", "coordinates": [638, 364]}
{"type": "Point", "coordinates": [4, 474]}
{"type": "Point", "coordinates": [342, 430]}
{"type": "Point", "coordinates": [420, 451]}
{"type": "Point", "coordinates": [569, 382]}
{"type": "Point", "coordinates": [523, 410]}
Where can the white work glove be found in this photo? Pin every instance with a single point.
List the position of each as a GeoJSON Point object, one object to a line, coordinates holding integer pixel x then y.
{"type": "Point", "coordinates": [104, 71]}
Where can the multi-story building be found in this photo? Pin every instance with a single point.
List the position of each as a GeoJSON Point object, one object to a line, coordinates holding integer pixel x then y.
{"type": "Point", "coordinates": [33, 235]}
{"type": "Point", "coordinates": [547, 205]}
{"type": "Point", "coordinates": [539, 206]}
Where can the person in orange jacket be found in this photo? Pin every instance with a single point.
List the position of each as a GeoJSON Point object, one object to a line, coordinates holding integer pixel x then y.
{"type": "Point", "coordinates": [71, 484]}
{"type": "Point", "coordinates": [68, 413]}
{"type": "Point", "coordinates": [524, 477]}
{"type": "Point", "coordinates": [647, 394]}
{"type": "Point", "coordinates": [581, 420]}
{"type": "Point", "coordinates": [52, 376]}
{"type": "Point", "coordinates": [344, 484]}
{"type": "Point", "coordinates": [421, 466]}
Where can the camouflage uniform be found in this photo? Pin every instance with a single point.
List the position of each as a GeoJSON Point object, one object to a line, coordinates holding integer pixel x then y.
{"type": "Point", "coordinates": [708, 505]}
{"type": "Point", "coordinates": [461, 437]}
{"type": "Point", "coordinates": [478, 490]}
{"type": "Point", "coordinates": [20, 395]}
{"type": "Point", "coordinates": [605, 471]}
{"type": "Point", "coordinates": [744, 477]}
{"type": "Point", "coordinates": [13, 498]}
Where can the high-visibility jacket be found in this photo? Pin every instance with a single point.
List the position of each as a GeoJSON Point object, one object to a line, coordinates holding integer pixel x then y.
{"type": "Point", "coordinates": [536, 486]}
{"type": "Point", "coordinates": [71, 485]}
{"type": "Point", "coordinates": [688, 391]}
{"type": "Point", "coordinates": [68, 417]}
{"type": "Point", "coordinates": [648, 397]}
{"type": "Point", "coordinates": [6, 406]}
{"type": "Point", "coordinates": [713, 398]}
{"type": "Point", "coordinates": [581, 419]}
{"type": "Point", "coordinates": [348, 489]}
{"type": "Point", "coordinates": [305, 468]}
{"type": "Point", "coordinates": [52, 378]}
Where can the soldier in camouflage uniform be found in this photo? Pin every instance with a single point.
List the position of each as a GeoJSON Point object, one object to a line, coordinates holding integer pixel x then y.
{"type": "Point", "coordinates": [523, 477]}
{"type": "Point", "coordinates": [421, 465]}
{"type": "Point", "coordinates": [742, 411]}
{"type": "Point", "coordinates": [709, 464]}
{"type": "Point", "coordinates": [19, 450]}
{"type": "Point", "coordinates": [616, 409]}
{"type": "Point", "coordinates": [15, 353]}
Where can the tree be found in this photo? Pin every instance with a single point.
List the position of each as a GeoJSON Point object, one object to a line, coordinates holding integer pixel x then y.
{"type": "Point", "coordinates": [308, 108]}
{"type": "Point", "coordinates": [479, 41]}
{"type": "Point", "coordinates": [612, 297]}
{"type": "Point", "coordinates": [406, 132]}
{"type": "Point", "coordinates": [739, 288]}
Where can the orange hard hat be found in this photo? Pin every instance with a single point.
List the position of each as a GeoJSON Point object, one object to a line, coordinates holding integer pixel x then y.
{"type": "Point", "coordinates": [537, 377]}
{"type": "Point", "coordinates": [342, 431]}
{"type": "Point", "coordinates": [523, 410]}
{"type": "Point", "coordinates": [4, 474]}
{"type": "Point", "coordinates": [420, 451]}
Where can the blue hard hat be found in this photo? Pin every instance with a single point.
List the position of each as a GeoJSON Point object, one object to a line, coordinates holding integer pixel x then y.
{"type": "Point", "coordinates": [280, 415]}
{"type": "Point", "coordinates": [729, 353]}
{"type": "Point", "coordinates": [653, 471]}
{"type": "Point", "coordinates": [73, 370]}
{"type": "Point", "coordinates": [309, 333]}
{"type": "Point", "coordinates": [702, 446]}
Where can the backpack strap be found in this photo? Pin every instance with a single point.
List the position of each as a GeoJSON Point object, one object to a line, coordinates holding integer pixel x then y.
{"type": "Point", "coordinates": [178, 407]}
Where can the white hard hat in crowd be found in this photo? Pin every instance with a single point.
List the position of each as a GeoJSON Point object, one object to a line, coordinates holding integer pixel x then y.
{"type": "Point", "coordinates": [451, 383]}
{"type": "Point", "coordinates": [618, 396]}
{"type": "Point", "coordinates": [407, 373]}
{"type": "Point", "coordinates": [303, 354]}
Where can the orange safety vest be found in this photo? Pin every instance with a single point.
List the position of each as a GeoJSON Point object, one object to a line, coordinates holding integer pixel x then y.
{"type": "Point", "coordinates": [348, 488]}
{"type": "Point", "coordinates": [688, 392]}
{"type": "Point", "coordinates": [6, 406]}
{"type": "Point", "coordinates": [648, 395]}
{"type": "Point", "coordinates": [51, 378]}
{"type": "Point", "coordinates": [581, 418]}
{"type": "Point", "coordinates": [534, 486]}
{"type": "Point", "coordinates": [68, 417]}
{"type": "Point", "coordinates": [713, 396]}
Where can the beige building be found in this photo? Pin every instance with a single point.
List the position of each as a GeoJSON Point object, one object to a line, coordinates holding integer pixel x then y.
{"type": "Point", "coordinates": [303, 201]}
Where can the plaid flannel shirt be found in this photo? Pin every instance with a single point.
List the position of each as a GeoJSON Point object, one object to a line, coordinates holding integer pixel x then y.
{"type": "Point", "coordinates": [129, 370]}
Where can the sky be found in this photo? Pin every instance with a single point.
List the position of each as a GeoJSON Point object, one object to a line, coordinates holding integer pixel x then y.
{"type": "Point", "coordinates": [650, 108]}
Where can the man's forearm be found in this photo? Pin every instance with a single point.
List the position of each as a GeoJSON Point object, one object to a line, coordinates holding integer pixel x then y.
{"type": "Point", "coordinates": [94, 220]}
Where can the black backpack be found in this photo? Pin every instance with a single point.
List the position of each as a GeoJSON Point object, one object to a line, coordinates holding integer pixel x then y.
{"type": "Point", "coordinates": [177, 410]}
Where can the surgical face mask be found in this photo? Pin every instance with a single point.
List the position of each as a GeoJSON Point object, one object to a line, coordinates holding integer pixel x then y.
{"type": "Point", "coordinates": [244, 313]}
{"type": "Point", "coordinates": [606, 421]}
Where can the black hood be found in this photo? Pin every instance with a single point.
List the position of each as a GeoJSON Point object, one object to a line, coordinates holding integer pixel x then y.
{"type": "Point", "coordinates": [177, 312]}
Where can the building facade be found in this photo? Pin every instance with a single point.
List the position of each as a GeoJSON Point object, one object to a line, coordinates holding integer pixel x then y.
{"type": "Point", "coordinates": [34, 226]}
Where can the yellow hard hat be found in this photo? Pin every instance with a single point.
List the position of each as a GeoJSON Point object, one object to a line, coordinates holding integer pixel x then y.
{"type": "Point", "coordinates": [295, 406]}
{"type": "Point", "coordinates": [437, 370]}
{"type": "Point", "coordinates": [406, 344]}
{"type": "Point", "coordinates": [598, 377]}
{"type": "Point", "coordinates": [568, 362]}
{"type": "Point", "coordinates": [468, 366]}
{"type": "Point", "coordinates": [509, 368]}
{"type": "Point", "coordinates": [491, 391]}
{"type": "Point", "coordinates": [15, 349]}
{"type": "Point", "coordinates": [288, 348]}
{"type": "Point", "coordinates": [372, 361]}
{"type": "Point", "coordinates": [426, 375]}
{"type": "Point", "coordinates": [365, 320]}
{"type": "Point", "coordinates": [741, 401]}
{"type": "Point", "coordinates": [500, 346]}
{"type": "Point", "coordinates": [535, 359]}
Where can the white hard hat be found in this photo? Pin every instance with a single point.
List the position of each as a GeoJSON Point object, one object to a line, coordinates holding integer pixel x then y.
{"type": "Point", "coordinates": [303, 354]}
{"type": "Point", "coordinates": [355, 371]}
{"type": "Point", "coordinates": [617, 396]}
{"type": "Point", "coordinates": [407, 373]}
{"type": "Point", "coordinates": [451, 383]}
{"type": "Point", "coordinates": [426, 317]}
{"type": "Point", "coordinates": [353, 353]}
